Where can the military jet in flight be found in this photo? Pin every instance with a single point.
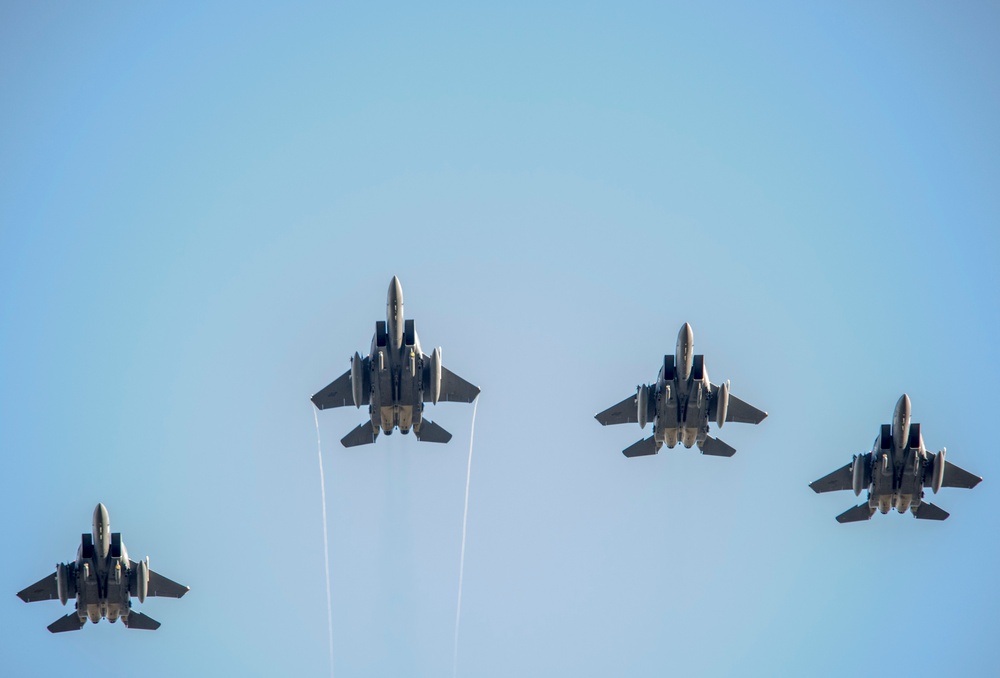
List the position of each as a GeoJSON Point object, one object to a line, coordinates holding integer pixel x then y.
{"type": "Point", "coordinates": [895, 473]}
{"type": "Point", "coordinates": [395, 380]}
{"type": "Point", "coordinates": [102, 580]}
{"type": "Point", "coordinates": [681, 404]}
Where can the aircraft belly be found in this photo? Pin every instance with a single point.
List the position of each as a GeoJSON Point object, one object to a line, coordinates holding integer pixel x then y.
{"type": "Point", "coordinates": [885, 503]}
{"type": "Point", "coordinates": [689, 436]}
{"type": "Point", "coordinates": [387, 417]}
{"type": "Point", "coordinates": [410, 398]}
{"type": "Point", "coordinates": [94, 612]}
{"type": "Point", "coordinates": [405, 417]}
{"type": "Point", "coordinates": [665, 429]}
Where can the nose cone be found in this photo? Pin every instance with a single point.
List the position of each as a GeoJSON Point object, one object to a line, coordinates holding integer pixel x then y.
{"type": "Point", "coordinates": [686, 336]}
{"type": "Point", "coordinates": [903, 408]}
{"type": "Point", "coordinates": [395, 292]}
{"type": "Point", "coordinates": [901, 423]}
{"type": "Point", "coordinates": [101, 516]}
{"type": "Point", "coordinates": [102, 528]}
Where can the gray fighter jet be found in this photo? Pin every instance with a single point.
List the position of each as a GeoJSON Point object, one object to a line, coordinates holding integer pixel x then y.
{"type": "Point", "coordinates": [395, 380]}
{"type": "Point", "coordinates": [895, 473]}
{"type": "Point", "coordinates": [102, 580]}
{"type": "Point", "coordinates": [681, 404]}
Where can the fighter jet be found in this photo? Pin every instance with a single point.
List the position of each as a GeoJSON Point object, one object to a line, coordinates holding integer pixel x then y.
{"type": "Point", "coordinates": [895, 473]}
{"type": "Point", "coordinates": [395, 380]}
{"type": "Point", "coordinates": [681, 404]}
{"type": "Point", "coordinates": [102, 579]}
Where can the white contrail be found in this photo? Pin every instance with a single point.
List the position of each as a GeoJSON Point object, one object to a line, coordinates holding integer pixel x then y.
{"type": "Point", "coordinates": [326, 543]}
{"type": "Point", "coordinates": [465, 520]}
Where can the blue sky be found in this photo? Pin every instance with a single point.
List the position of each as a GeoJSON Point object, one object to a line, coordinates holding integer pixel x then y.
{"type": "Point", "coordinates": [201, 209]}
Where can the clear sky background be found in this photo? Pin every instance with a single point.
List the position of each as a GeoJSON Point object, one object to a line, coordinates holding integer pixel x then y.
{"type": "Point", "coordinates": [200, 212]}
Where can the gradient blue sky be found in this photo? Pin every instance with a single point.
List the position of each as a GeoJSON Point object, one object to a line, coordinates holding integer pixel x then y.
{"type": "Point", "coordinates": [201, 209]}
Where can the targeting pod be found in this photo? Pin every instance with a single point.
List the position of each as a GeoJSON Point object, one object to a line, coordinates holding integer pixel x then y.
{"type": "Point", "coordinates": [62, 586]}
{"type": "Point", "coordinates": [435, 375]}
{"type": "Point", "coordinates": [642, 404]}
{"type": "Point", "coordinates": [142, 580]}
{"type": "Point", "coordinates": [939, 465]}
{"type": "Point", "coordinates": [722, 407]}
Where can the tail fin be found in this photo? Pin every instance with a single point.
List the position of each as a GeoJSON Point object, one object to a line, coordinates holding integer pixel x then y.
{"type": "Point", "coordinates": [429, 432]}
{"type": "Point", "coordinates": [716, 448]}
{"type": "Point", "coordinates": [642, 448]}
{"type": "Point", "coordinates": [856, 514]}
{"type": "Point", "coordinates": [137, 620]}
{"type": "Point", "coordinates": [364, 434]}
{"type": "Point", "coordinates": [70, 622]}
{"type": "Point", "coordinates": [928, 511]}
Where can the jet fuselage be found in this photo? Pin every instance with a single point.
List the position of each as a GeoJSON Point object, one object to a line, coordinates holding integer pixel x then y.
{"type": "Point", "coordinates": [100, 575]}
{"type": "Point", "coordinates": [395, 380]}
{"type": "Point", "coordinates": [896, 463]}
{"type": "Point", "coordinates": [396, 369]}
{"type": "Point", "coordinates": [680, 404]}
{"type": "Point", "coordinates": [682, 393]}
{"type": "Point", "coordinates": [102, 580]}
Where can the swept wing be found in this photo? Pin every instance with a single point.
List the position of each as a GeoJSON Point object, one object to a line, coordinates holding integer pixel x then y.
{"type": "Point", "coordinates": [455, 389]}
{"type": "Point", "coordinates": [336, 394]}
{"type": "Point", "coordinates": [43, 589]}
{"type": "Point", "coordinates": [625, 412]}
{"type": "Point", "coordinates": [160, 586]}
{"type": "Point", "coordinates": [841, 479]}
{"type": "Point", "coordinates": [739, 411]}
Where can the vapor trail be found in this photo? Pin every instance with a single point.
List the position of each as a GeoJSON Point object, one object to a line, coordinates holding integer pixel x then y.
{"type": "Point", "coordinates": [326, 543]}
{"type": "Point", "coordinates": [465, 520]}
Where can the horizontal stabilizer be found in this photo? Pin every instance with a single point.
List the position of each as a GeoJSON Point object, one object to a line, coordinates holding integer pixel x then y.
{"type": "Point", "coordinates": [70, 622]}
{"type": "Point", "coordinates": [336, 394]}
{"type": "Point", "coordinates": [364, 434]}
{"type": "Point", "coordinates": [625, 412]}
{"type": "Point", "coordinates": [642, 448]}
{"type": "Point", "coordinates": [927, 511]}
{"type": "Point", "coordinates": [430, 432]}
{"type": "Point", "coordinates": [716, 448]}
{"type": "Point", "coordinates": [137, 620]}
{"type": "Point", "coordinates": [856, 514]}
{"type": "Point", "coordinates": [841, 479]}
